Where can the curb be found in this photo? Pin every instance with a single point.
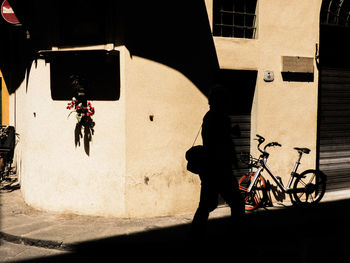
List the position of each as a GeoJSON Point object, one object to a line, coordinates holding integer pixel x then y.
{"type": "Point", "coordinates": [49, 244]}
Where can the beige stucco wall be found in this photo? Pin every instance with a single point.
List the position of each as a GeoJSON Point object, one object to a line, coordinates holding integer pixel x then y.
{"type": "Point", "coordinates": [282, 111]}
{"type": "Point", "coordinates": [157, 181]}
{"type": "Point", "coordinates": [136, 166]}
{"type": "Point", "coordinates": [287, 111]}
{"type": "Point", "coordinates": [56, 175]}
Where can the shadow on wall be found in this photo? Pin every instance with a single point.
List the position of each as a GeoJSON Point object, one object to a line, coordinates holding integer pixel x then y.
{"type": "Point", "coordinates": [84, 131]}
{"type": "Point", "coordinates": [176, 34]}
{"type": "Point", "coordinates": [16, 55]}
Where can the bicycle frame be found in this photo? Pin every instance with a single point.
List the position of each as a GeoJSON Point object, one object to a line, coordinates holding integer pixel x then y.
{"type": "Point", "coordinates": [263, 166]}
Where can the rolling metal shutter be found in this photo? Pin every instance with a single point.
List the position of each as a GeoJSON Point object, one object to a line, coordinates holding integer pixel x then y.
{"type": "Point", "coordinates": [241, 143]}
{"type": "Point", "coordinates": [334, 127]}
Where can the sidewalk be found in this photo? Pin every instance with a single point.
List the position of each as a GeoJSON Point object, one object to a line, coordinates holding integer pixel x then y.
{"type": "Point", "coordinates": [79, 235]}
{"type": "Point", "coordinates": [22, 224]}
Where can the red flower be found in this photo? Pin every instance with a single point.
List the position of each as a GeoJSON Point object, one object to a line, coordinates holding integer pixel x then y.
{"type": "Point", "coordinates": [80, 109]}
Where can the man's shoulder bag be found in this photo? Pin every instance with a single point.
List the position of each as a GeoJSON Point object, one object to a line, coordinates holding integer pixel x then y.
{"type": "Point", "coordinates": [195, 157]}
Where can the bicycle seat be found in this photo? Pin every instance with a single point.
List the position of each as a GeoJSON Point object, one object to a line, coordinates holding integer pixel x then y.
{"type": "Point", "coordinates": [303, 150]}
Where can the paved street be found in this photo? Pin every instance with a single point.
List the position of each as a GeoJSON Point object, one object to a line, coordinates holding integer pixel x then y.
{"type": "Point", "coordinates": [279, 234]}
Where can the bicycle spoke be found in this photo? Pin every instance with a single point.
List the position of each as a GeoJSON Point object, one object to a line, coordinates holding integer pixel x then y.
{"type": "Point", "coordinates": [309, 195]}
{"type": "Point", "coordinates": [305, 184]}
{"type": "Point", "coordinates": [314, 184]}
{"type": "Point", "coordinates": [302, 182]}
{"type": "Point", "coordinates": [312, 178]}
{"type": "Point", "coordinates": [300, 196]}
{"type": "Point", "coordinates": [312, 197]}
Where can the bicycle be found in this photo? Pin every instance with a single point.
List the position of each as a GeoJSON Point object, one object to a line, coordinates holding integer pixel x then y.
{"type": "Point", "coordinates": [308, 188]}
{"type": "Point", "coordinates": [7, 145]}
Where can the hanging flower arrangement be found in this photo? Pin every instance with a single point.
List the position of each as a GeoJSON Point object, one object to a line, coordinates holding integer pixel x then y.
{"type": "Point", "coordinates": [82, 112]}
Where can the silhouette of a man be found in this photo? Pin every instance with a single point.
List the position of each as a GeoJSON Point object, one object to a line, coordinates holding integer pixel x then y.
{"type": "Point", "coordinates": [216, 176]}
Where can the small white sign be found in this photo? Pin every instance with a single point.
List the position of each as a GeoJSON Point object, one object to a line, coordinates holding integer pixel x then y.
{"type": "Point", "coordinates": [268, 76]}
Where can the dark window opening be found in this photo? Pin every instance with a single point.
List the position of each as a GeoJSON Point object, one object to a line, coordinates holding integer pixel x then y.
{"type": "Point", "coordinates": [99, 71]}
{"type": "Point", "coordinates": [234, 18]}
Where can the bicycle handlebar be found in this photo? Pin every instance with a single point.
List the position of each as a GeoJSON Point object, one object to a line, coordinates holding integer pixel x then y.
{"type": "Point", "coordinates": [271, 144]}
{"type": "Point", "coordinates": [262, 140]}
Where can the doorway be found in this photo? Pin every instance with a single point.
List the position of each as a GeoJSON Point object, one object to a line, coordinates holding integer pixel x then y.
{"type": "Point", "coordinates": [334, 94]}
{"type": "Point", "coordinates": [241, 84]}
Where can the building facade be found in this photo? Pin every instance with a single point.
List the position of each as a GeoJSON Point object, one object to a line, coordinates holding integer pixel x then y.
{"type": "Point", "coordinates": [4, 99]}
{"type": "Point", "coordinates": [148, 69]}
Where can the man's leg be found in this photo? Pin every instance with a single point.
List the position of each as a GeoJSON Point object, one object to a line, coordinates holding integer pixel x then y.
{"type": "Point", "coordinates": [230, 193]}
{"type": "Point", "coordinates": [208, 202]}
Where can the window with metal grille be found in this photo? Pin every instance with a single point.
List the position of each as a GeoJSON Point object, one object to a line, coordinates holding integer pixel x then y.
{"type": "Point", "coordinates": [234, 18]}
{"type": "Point", "coordinates": [335, 12]}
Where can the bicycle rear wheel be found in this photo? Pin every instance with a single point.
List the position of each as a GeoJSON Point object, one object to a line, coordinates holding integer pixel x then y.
{"type": "Point", "coordinates": [257, 195]}
{"type": "Point", "coordinates": [309, 187]}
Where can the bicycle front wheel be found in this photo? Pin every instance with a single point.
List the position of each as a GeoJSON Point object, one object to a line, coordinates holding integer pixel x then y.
{"type": "Point", "coordinates": [309, 187]}
{"type": "Point", "coordinates": [257, 195]}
